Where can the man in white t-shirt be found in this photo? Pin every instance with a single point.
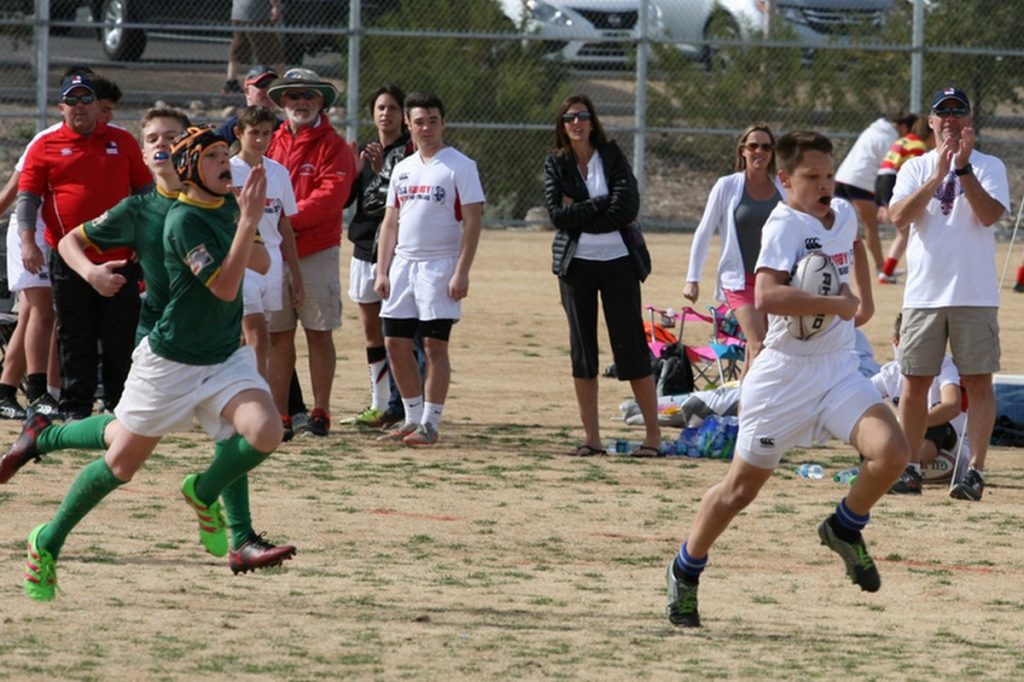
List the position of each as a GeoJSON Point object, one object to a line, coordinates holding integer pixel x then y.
{"type": "Point", "coordinates": [264, 294]}
{"type": "Point", "coordinates": [949, 199]}
{"type": "Point", "coordinates": [428, 239]}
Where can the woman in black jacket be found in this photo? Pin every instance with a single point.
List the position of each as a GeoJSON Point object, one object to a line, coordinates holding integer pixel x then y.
{"type": "Point", "coordinates": [591, 195]}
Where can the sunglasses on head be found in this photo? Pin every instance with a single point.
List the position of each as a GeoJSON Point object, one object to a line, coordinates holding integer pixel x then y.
{"type": "Point", "coordinates": [754, 146]}
{"type": "Point", "coordinates": [72, 100]}
{"type": "Point", "coordinates": [953, 111]}
{"type": "Point", "coordinates": [305, 94]}
{"type": "Point", "coordinates": [571, 116]}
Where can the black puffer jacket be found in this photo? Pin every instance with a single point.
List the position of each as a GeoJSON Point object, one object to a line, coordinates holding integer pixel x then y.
{"type": "Point", "coordinates": [370, 192]}
{"type": "Point", "coordinates": [609, 213]}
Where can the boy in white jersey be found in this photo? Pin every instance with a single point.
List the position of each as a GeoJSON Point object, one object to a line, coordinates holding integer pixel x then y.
{"type": "Point", "coordinates": [427, 243]}
{"type": "Point", "coordinates": [263, 294]}
{"type": "Point", "coordinates": [800, 390]}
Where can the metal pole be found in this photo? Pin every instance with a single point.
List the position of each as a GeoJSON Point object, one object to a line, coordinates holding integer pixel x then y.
{"type": "Point", "coordinates": [917, 57]}
{"type": "Point", "coordinates": [352, 86]}
{"type": "Point", "coordinates": [640, 102]}
{"type": "Point", "coordinates": [769, 18]}
{"type": "Point", "coordinates": [41, 34]}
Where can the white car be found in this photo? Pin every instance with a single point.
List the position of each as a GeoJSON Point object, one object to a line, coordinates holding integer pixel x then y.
{"type": "Point", "coordinates": [570, 26]}
{"type": "Point", "coordinates": [814, 22]}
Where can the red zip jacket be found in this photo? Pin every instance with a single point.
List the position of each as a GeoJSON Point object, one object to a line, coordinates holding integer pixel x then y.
{"type": "Point", "coordinates": [322, 170]}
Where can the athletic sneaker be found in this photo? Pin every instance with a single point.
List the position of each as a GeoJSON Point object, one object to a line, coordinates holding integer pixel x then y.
{"type": "Point", "coordinates": [397, 433]}
{"type": "Point", "coordinates": [10, 409]}
{"type": "Point", "coordinates": [319, 423]}
{"type": "Point", "coordinates": [212, 527]}
{"type": "Point", "coordinates": [888, 279]}
{"type": "Point", "coordinates": [859, 565]}
{"type": "Point", "coordinates": [1019, 287]}
{"type": "Point", "coordinates": [425, 434]}
{"type": "Point", "coordinates": [682, 600]}
{"type": "Point", "coordinates": [970, 488]}
{"type": "Point", "coordinates": [909, 483]}
{"type": "Point", "coordinates": [24, 448]}
{"type": "Point", "coordinates": [46, 404]}
{"type": "Point", "coordinates": [257, 553]}
{"type": "Point", "coordinates": [300, 423]}
{"type": "Point", "coordinates": [40, 569]}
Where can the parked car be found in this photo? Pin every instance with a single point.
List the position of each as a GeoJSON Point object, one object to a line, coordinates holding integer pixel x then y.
{"type": "Point", "coordinates": [814, 22]}
{"type": "Point", "coordinates": [128, 44]}
{"type": "Point", "coordinates": [570, 26]}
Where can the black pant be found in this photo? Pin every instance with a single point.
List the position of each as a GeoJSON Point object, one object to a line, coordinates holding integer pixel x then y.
{"type": "Point", "coordinates": [86, 323]}
{"type": "Point", "coordinates": [615, 281]}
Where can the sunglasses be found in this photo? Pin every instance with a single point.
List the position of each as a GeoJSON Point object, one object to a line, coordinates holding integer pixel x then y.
{"type": "Point", "coordinates": [754, 146]}
{"type": "Point", "coordinates": [307, 94]}
{"type": "Point", "coordinates": [72, 100]}
{"type": "Point", "coordinates": [955, 111]}
{"type": "Point", "coordinates": [576, 116]}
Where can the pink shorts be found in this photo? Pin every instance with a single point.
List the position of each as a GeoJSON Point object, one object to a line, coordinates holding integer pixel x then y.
{"type": "Point", "coordinates": [741, 297]}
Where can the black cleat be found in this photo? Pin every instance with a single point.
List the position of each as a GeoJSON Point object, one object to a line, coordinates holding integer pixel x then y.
{"type": "Point", "coordinates": [682, 600]}
{"type": "Point", "coordinates": [859, 564]}
{"type": "Point", "coordinates": [24, 448]}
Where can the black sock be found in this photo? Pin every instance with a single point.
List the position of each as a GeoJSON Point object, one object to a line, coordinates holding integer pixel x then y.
{"type": "Point", "coordinates": [841, 531]}
{"type": "Point", "coordinates": [8, 392]}
{"type": "Point", "coordinates": [296, 404]}
{"type": "Point", "coordinates": [35, 386]}
{"type": "Point", "coordinates": [683, 577]}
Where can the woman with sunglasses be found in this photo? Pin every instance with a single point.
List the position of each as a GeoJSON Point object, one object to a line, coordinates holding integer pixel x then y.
{"type": "Point", "coordinates": [737, 208]}
{"type": "Point", "coordinates": [591, 194]}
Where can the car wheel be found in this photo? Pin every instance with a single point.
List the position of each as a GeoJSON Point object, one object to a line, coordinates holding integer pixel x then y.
{"type": "Point", "coordinates": [119, 43]}
{"type": "Point", "coordinates": [720, 26]}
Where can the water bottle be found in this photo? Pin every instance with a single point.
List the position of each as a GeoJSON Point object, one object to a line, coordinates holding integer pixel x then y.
{"type": "Point", "coordinates": [810, 470]}
{"type": "Point", "coordinates": [847, 476]}
{"type": "Point", "coordinates": [621, 446]}
{"type": "Point", "coordinates": [690, 437]}
{"type": "Point", "coordinates": [706, 435]}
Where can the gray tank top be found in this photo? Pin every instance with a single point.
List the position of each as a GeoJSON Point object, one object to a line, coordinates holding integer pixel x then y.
{"type": "Point", "coordinates": [751, 215]}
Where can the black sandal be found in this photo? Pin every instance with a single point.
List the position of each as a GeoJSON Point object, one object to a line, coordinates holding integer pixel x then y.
{"type": "Point", "coordinates": [586, 451]}
{"type": "Point", "coordinates": [646, 451]}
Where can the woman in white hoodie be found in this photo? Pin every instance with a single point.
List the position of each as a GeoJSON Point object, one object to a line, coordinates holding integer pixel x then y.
{"type": "Point", "coordinates": [737, 208]}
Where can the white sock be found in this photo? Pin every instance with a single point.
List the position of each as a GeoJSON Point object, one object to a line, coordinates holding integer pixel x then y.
{"type": "Point", "coordinates": [413, 409]}
{"type": "Point", "coordinates": [54, 391]}
{"type": "Point", "coordinates": [432, 414]}
{"type": "Point", "coordinates": [916, 466]}
{"type": "Point", "coordinates": [380, 386]}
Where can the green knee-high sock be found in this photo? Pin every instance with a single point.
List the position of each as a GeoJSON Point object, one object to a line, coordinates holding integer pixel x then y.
{"type": "Point", "coordinates": [92, 484]}
{"type": "Point", "coordinates": [232, 458]}
{"type": "Point", "coordinates": [85, 434]}
{"type": "Point", "coordinates": [236, 508]}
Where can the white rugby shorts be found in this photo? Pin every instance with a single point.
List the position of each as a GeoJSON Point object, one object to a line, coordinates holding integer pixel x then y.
{"type": "Point", "coordinates": [264, 293]}
{"type": "Point", "coordinates": [362, 275]}
{"type": "Point", "coordinates": [161, 396]}
{"type": "Point", "coordinates": [419, 290]}
{"type": "Point", "coordinates": [788, 401]}
{"type": "Point", "coordinates": [18, 277]}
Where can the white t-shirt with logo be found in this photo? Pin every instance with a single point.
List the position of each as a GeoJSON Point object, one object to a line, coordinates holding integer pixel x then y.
{"type": "Point", "coordinates": [950, 254]}
{"type": "Point", "coordinates": [889, 382]}
{"type": "Point", "coordinates": [429, 198]}
{"type": "Point", "coordinates": [788, 236]}
{"type": "Point", "coordinates": [280, 197]}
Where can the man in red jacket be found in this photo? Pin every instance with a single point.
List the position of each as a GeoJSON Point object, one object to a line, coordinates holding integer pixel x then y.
{"type": "Point", "coordinates": [73, 173]}
{"type": "Point", "coordinates": [322, 168]}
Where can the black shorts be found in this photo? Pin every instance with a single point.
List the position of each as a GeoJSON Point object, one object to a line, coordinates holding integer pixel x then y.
{"type": "Point", "coordinates": [851, 193]}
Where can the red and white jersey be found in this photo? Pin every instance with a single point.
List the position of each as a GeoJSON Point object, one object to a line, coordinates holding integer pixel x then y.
{"type": "Point", "coordinates": [429, 197]}
{"type": "Point", "coordinates": [81, 177]}
{"type": "Point", "coordinates": [788, 236]}
{"type": "Point", "coordinates": [280, 197]}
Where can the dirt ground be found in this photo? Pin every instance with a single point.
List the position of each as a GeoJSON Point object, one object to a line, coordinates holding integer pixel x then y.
{"type": "Point", "coordinates": [492, 555]}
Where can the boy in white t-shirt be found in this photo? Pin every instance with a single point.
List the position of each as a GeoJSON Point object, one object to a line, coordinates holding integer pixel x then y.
{"type": "Point", "coordinates": [263, 294]}
{"type": "Point", "coordinates": [801, 390]}
{"type": "Point", "coordinates": [427, 243]}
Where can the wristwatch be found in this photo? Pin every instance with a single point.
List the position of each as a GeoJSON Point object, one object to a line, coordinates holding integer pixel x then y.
{"type": "Point", "coordinates": [965, 170]}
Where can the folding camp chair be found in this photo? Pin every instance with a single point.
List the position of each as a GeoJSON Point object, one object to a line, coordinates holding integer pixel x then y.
{"type": "Point", "coordinates": [717, 361]}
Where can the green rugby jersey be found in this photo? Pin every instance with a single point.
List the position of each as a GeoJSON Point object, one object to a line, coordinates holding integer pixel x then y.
{"type": "Point", "coordinates": [138, 222]}
{"type": "Point", "coordinates": [196, 327]}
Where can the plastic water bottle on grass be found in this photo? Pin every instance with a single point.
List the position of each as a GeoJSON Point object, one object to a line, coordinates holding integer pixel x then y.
{"type": "Point", "coordinates": [810, 470]}
{"type": "Point", "coordinates": [847, 476]}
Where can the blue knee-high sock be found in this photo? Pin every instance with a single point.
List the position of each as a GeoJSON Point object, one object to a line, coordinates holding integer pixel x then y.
{"type": "Point", "coordinates": [849, 520]}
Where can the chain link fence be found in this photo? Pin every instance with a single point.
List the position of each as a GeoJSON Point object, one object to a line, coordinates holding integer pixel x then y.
{"type": "Point", "coordinates": [675, 81]}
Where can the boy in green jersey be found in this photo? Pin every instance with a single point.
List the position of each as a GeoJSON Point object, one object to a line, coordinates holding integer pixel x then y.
{"type": "Point", "coordinates": [189, 366]}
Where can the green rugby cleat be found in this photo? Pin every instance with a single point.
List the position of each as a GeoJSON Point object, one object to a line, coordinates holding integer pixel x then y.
{"type": "Point", "coordinates": [40, 569]}
{"type": "Point", "coordinates": [212, 527]}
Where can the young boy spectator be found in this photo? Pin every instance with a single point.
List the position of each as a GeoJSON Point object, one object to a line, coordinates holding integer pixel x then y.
{"type": "Point", "coordinates": [263, 294]}
{"type": "Point", "coordinates": [833, 398]}
{"type": "Point", "coordinates": [427, 243]}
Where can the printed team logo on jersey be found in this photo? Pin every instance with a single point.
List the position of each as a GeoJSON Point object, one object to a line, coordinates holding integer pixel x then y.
{"type": "Point", "coordinates": [100, 218]}
{"type": "Point", "coordinates": [307, 170]}
{"type": "Point", "coordinates": [112, 148]}
{"type": "Point", "coordinates": [948, 192]}
{"type": "Point", "coordinates": [812, 244]}
{"type": "Point", "coordinates": [439, 194]}
{"type": "Point", "coordinates": [842, 261]}
{"type": "Point", "coordinates": [197, 259]}
{"type": "Point", "coordinates": [420, 193]}
{"type": "Point", "coordinates": [272, 206]}
{"type": "Point", "coordinates": [66, 151]}
{"type": "Point", "coordinates": [767, 443]}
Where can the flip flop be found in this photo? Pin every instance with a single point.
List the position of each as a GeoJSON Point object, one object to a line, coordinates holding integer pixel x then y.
{"type": "Point", "coordinates": [646, 451]}
{"type": "Point", "coordinates": [586, 451]}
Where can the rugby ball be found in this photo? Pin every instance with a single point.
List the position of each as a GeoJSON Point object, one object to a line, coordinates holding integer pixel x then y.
{"type": "Point", "coordinates": [817, 274]}
{"type": "Point", "coordinates": [940, 469]}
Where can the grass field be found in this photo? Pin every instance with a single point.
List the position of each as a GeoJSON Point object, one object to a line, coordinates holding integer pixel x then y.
{"type": "Point", "coordinates": [492, 555]}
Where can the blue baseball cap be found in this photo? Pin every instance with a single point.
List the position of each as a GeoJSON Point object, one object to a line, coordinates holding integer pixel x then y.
{"type": "Point", "coordinates": [957, 94]}
{"type": "Point", "coordinates": [76, 80]}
